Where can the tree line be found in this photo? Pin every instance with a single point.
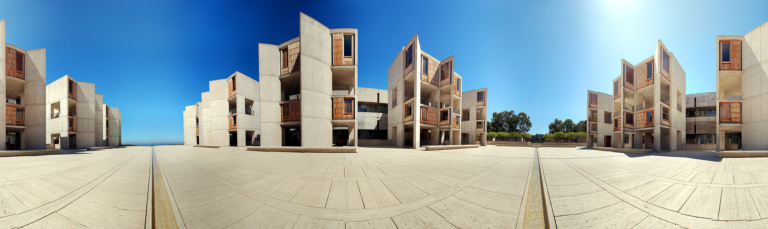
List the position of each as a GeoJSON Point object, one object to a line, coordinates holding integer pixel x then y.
{"type": "Point", "coordinates": [508, 126]}
{"type": "Point", "coordinates": [566, 131]}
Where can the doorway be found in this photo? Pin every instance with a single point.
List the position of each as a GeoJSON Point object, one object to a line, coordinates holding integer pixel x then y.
{"type": "Point", "coordinates": [607, 141]}
{"type": "Point", "coordinates": [232, 138]}
{"type": "Point", "coordinates": [464, 138]}
{"type": "Point", "coordinates": [293, 136]}
{"type": "Point", "coordinates": [12, 140]}
{"type": "Point", "coordinates": [340, 137]}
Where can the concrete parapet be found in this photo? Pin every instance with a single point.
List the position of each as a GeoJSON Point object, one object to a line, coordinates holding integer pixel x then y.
{"type": "Point", "coordinates": [99, 147]}
{"type": "Point", "coordinates": [755, 153]}
{"type": "Point", "coordinates": [444, 147]}
{"type": "Point", "coordinates": [625, 150]}
{"type": "Point", "coordinates": [305, 149]}
{"type": "Point", "coordinates": [204, 146]}
{"type": "Point", "coordinates": [13, 153]}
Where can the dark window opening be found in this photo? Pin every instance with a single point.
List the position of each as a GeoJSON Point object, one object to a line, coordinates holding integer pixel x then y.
{"type": "Point", "coordinates": [19, 62]}
{"type": "Point", "coordinates": [480, 96]}
{"type": "Point", "coordinates": [234, 85]}
{"type": "Point", "coordinates": [444, 115]}
{"type": "Point", "coordinates": [408, 109]}
{"type": "Point", "coordinates": [726, 51]}
{"type": "Point", "coordinates": [408, 57]}
{"type": "Point", "coordinates": [347, 45]}
{"type": "Point", "coordinates": [665, 60]}
{"type": "Point", "coordinates": [458, 85]}
{"type": "Point", "coordinates": [348, 106]}
{"type": "Point", "coordinates": [19, 114]}
{"type": "Point", "coordinates": [616, 88]}
{"type": "Point", "coordinates": [649, 66]}
{"type": "Point", "coordinates": [629, 73]}
{"type": "Point", "coordinates": [284, 57]}
{"type": "Point", "coordinates": [649, 117]}
{"type": "Point", "coordinates": [425, 66]}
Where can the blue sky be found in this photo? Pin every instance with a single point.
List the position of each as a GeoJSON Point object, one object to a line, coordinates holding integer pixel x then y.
{"type": "Point", "coordinates": [152, 58]}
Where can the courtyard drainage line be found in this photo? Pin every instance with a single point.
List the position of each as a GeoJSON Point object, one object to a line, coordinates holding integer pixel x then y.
{"type": "Point", "coordinates": [538, 212]}
{"type": "Point", "coordinates": [162, 215]}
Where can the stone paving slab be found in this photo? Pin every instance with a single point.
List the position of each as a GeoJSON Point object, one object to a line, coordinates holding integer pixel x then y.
{"type": "Point", "coordinates": [373, 188]}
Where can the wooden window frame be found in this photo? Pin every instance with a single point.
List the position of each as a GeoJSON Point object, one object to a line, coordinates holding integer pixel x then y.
{"type": "Point", "coordinates": [665, 60]}
{"type": "Point", "coordinates": [344, 45]}
{"type": "Point", "coordinates": [729, 51]}
{"type": "Point", "coordinates": [351, 108]}
{"type": "Point", "coordinates": [19, 62]}
{"type": "Point", "coordinates": [424, 65]}
{"type": "Point", "coordinates": [284, 57]}
{"type": "Point", "coordinates": [480, 96]}
{"type": "Point", "coordinates": [649, 70]}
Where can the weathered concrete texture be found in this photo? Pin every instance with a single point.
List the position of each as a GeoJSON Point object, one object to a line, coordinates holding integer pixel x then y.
{"type": "Point", "coordinates": [2, 82]}
{"type": "Point", "coordinates": [86, 115]}
{"type": "Point", "coordinates": [191, 126]}
{"type": "Point", "coordinates": [114, 135]}
{"type": "Point", "coordinates": [100, 127]}
{"type": "Point", "coordinates": [478, 112]}
{"type": "Point", "coordinates": [98, 189]}
{"type": "Point", "coordinates": [316, 82]}
{"type": "Point", "coordinates": [269, 95]}
{"type": "Point", "coordinates": [388, 188]}
{"type": "Point", "coordinates": [590, 188]}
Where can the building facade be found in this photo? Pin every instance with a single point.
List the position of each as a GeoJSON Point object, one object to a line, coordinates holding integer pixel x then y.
{"type": "Point", "coordinates": [372, 110]}
{"type": "Point", "coordinates": [308, 91]}
{"type": "Point", "coordinates": [599, 119]}
{"type": "Point", "coordinates": [474, 124]}
{"type": "Point", "coordinates": [647, 109]}
{"type": "Point", "coordinates": [700, 121]}
{"type": "Point", "coordinates": [742, 91]}
{"type": "Point", "coordinates": [228, 114]}
{"type": "Point", "coordinates": [77, 118]}
{"type": "Point", "coordinates": [23, 102]}
{"type": "Point", "coordinates": [424, 87]}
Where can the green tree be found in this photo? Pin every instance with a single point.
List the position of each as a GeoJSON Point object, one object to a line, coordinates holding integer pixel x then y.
{"type": "Point", "coordinates": [568, 126]}
{"type": "Point", "coordinates": [515, 136]}
{"type": "Point", "coordinates": [570, 136]}
{"type": "Point", "coordinates": [524, 122]}
{"type": "Point", "coordinates": [581, 126]}
{"type": "Point", "coordinates": [559, 136]}
{"type": "Point", "coordinates": [549, 137]}
{"type": "Point", "coordinates": [555, 126]}
{"type": "Point", "coordinates": [526, 136]}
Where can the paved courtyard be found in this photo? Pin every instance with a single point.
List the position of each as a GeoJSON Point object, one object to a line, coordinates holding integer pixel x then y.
{"type": "Point", "coordinates": [589, 188]}
{"type": "Point", "coordinates": [374, 188]}
{"type": "Point", "coordinates": [75, 189]}
{"type": "Point", "coordinates": [384, 188]}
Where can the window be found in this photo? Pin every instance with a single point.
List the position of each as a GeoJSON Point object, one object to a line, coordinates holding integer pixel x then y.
{"type": "Point", "coordinates": [711, 112]}
{"type": "Point", "coordinates": [616, 123]}
{"type": "Point", "coordinates": [458, 84]}
{"type": "Point", "coordinates": [480, 96]}
{"type": "Point", "coordinates": [348, 45]}
{"type": "Point", "coordinates": [425, 66]}
{"type": "Point", "coordinates": [19, 114]}
{"type": "Point", "coordinates": [629, 73]}
{"type": "Point", "coordinates": [234, 85]}
{"type": "Point", "coordinates": [445, 71]}
{"type": "Point", "coordinates": [665, 60]}
{"type": "Point", "coordinates": [457, 119]}
{"type": "Point", "coordinates": [694, 128]}
{"type": "Point", "coordinates": [665, 113]}
{"type": "Point", "coordinates": [284, 57]}
{"type": "Point", "coordinates": [408, 58]}
{"type": "Point", "coordinates": [372, 134]}
{"type": "Point", "coordinates": [348, 106]}
{"type": "Point", "coordinates": [649, 117]}
{"type": "Point", "coordinates": [71, 85]}
{"type": "Point", "coordinates": [424, 113]}
{"type": "Point", "coordinates": [408, 109]}
{"type": "Point", "coordinates": [616, 88]}
{"type": "Point", "coordinates": [444, 115]}
{"type": "Point", "coordinates": [19, 62]}
{"type": "Point", "coordinates": [649, 73]}
{"type": "Point", "coordinates": [479, 125]}
{"type": "Point", "coordinates": [593, 98]}
{"type": "Point", "coordinates": [630, 118]}
{"type": "Point", "coordinates": [70, 123]}
{"type": "Point", "coordinates": [362, 108]}
{"type": "Point", "coordinates": [286, 110]}
{"type": "Point", "coordinates": [626, 139]}
{"type": "Point", "coordinates": [382, 109]}
{"type": "Point", "coordinates": [690, 113]}
{"type": "Point", "coordinates": [702, 113]}
{"type": "Point", "coordinates": [725, 54]}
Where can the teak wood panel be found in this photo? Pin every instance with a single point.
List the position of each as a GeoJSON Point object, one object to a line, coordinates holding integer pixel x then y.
{"type": "Point", "coordinates": [642, 76]}
{"type": "Point", "coordinates": [293, 50]}
{"type": "Point", "coordinates": [641, 119]}
{"type": "Point", "coordinates": [593, 128]}
{"type": "Point", "coordinates": [408, 67]}
{"type": "Point", "coordinates": [406, 117]}
{"type": "Point", "coordinates": [446, 69]}
{"type": "Point", "coordinates": [11, 68]}
{"type": "Point", "coordinates": [231, 87]}
{"type": "Point", "coordinates": [735, 61]}
{"type": "Point", "coordinates": [431, 76]}
{"type": "Point", "coordinates": [428, 115]}
{"type": "Point", "coordinates": [233, 122]}
{"type": "Point", "coordinates": [630, 119]}
{"type": "Point", "coordinates": [664, 73]}
{"type": "Point", "coordinates": [456, 88]}
{"type": "Point", "coordinates": [10, 115]}
{"type": "Point", "coordinates": [730, 112]}
{"type": "Point", "coordinates": [617, 124]}
{"type": "Point", "coordinates": [664, 122]}
{"type": "Point", "coordinates": [338, 108]}
{"type": "Point", "coordinates": [73, 93]}
{"type": "Point", "coordinates": [294, 110]}
{"type": "Point", "coordinates": [446, 122]}
{"type": "Point", "coordinates": [456, 121]}
{"type": "Point", "coordinates": [338, 50]}
{"type": "Point", "coordinates": [73, 127]}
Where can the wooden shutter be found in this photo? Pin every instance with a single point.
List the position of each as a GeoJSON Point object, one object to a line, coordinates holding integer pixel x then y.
{"type": "Point", "coordinates": [338, 48]}
{"type": "Point", "coordinates": [736, 111]}
{"type": "Point", "coordinates": [725, 112]}
{"type": "Point", "coordinates": [735, 55]}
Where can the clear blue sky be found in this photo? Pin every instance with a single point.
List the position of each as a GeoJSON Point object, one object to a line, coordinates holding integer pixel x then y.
{"type": "Point", "coordinates": [152, 58]}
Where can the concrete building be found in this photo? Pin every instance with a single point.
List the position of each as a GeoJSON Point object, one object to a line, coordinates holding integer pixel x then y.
{"type": "Point", "coordinates": [228, 114]}
{"type": "Point", "coordinates": [372, 110]}
{"type": "Point", "coordinates": [308, 91]}
{"type": "Point", "coordinates": [599, 119]}
{"type": "Point", "coordinates": [112, 127]}
{"type": "Point", "coordinates": [72, 116]}
{"type": "Point", "coordinates": [474, 116]}
{"type": "Point", "coordinates": [700, 121]}
{"type": "Point", "coordinates": [23, 96]}
{"type": "Point", "coordinates": [416, 78]}
{"type": "Point", "coordinates": [742, 90]}
{"type": "Point", "coordinates": [648, 101]}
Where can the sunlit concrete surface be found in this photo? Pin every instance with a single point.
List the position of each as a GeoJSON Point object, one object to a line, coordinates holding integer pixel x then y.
{"type": "Point", "coordinates": [590, 188]}
{"type": "Point", "coordinates": [76, 188]}
{"type": "Point", "coordinates": [374, 188]}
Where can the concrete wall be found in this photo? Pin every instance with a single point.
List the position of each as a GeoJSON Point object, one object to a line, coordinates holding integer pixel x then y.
{"type": "Point", "coordinates": [706, 99]}
{"type": "Point", "coordinates": [754, 86]}
{"type": "Point", "coordinates": [247, 88]}
{"type": "Point", "coordinates": [190, 130]}
{"type": "Point", "coordinates": [396, 94]}
{"type": "Point", "coordinates": [219, 112]}
{"type": "Point", "coordinates": [86, 115]}
{"type": "Point", "coordinates": [604, 104]}
{"type": "Point", "coordinates": [205, 119]}
{"type": "Point", "coordinates": [315, 58]}
{"type": "Point", "coordinates": [269, 95]}
{"type": "Point", "coordinates": [56, 91]}
{"type": "Point", "coordinates": [99, 117]}
{"type": "Point", "coordinates": [114, 135]}
{"type": "Point", "coordinates": [34, 99]}
{"type": "Point", "coordinates": [469, 101]}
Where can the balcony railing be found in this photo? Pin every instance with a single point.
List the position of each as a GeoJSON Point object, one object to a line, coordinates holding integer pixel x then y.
{"type": "Point", "coordinates": [14, 115]}
{"type": "Point", "coordinates": [428, 115]}
{"type": "Point", "coordinates": [291, 111]}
